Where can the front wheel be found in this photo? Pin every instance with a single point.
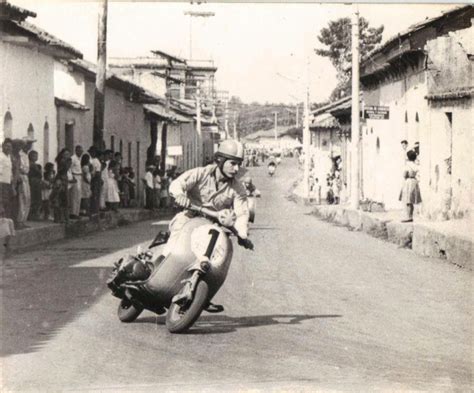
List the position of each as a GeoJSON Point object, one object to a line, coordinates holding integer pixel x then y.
{"type": "Point", "coordinates": [181, 318]}
{"type": "Point", "coordinates": [127, 312]}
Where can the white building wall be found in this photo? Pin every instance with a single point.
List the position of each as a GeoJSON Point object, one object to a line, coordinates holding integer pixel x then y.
{"type": "Point", "coordinates": [27, 92]}
{"type": "Point", "coordinates": [383, 157]}
{"type": "Point", "coordinates": [68, 85]}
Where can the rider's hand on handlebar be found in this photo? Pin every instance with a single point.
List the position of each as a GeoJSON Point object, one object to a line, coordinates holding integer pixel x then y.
{"type": "Point", "coordinates": [182, 201]}
{"type": "Point", "coordinates": [246, 243]}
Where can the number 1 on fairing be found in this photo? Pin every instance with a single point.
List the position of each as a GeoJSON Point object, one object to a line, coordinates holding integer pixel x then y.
{"type": "Point", "coordinates": [210, 248]}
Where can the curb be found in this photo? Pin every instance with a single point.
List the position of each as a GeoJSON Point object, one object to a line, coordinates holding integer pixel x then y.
{"type": "Point", "coordinates": [48, 233]}
{"type": "Point", "coordinates": [422, 239]}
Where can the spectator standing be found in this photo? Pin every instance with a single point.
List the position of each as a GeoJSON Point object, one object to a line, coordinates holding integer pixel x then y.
{"type": "Point", "coordinates": [156, 188]}
{"type": "Point", "coordinates": [107, 157]}
{"type": "Point", "coordinates": [16, 164]}
{"type": "Point", "coordinates": [125, 186]}
{"type": "Point", "coordinates": [76, 191]}
{"type": "Point", "coordinates": [24, 192]}
{"type": "Point", "coordinates": [410, 194]}
{"type": "Point", "coordinates": [165, 185]}
{"type": "Point", "coordinates": [60, 193]}
{"type": "Point", "coordinates": [6, 193]}
{"type": "Point", "coordinates": [148, 183]}
{"type": "Point", "coordinates": [86, 185]}
{"type": "Point", "coordinates": [35, 177]}
{"type": "Point", "coordinates": [47, 186]}
{"type": "Point", "coordinates": [96, 181]}
{"type": "Point", "coordinates": [131, 176]}
{"type": "Point", "coordinates": [113, 195]}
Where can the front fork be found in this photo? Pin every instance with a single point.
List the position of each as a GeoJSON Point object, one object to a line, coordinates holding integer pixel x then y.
{"type": "Point", "coordinates": [186, 295]}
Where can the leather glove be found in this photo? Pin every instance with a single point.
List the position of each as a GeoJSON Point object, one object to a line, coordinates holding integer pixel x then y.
{"type": "Point", "coordinates": [246, 243]}
{"type": "Point", "coordinates": [183, 201]}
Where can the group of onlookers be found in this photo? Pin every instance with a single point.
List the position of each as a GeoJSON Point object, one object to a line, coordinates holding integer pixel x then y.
{"type": "Point", "coordinates": [156, 183]}
{"type": "Point", "coordinates": [77, 184]}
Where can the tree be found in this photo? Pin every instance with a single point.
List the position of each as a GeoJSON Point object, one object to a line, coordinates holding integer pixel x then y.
{"type": "Point", "coordinates": [337, 38]}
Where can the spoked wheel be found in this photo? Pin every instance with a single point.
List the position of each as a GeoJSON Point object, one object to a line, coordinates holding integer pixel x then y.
{"type": "Point", "coordinates": [127, 312]}
{"type": "Point", "coordinates": [181, 318]}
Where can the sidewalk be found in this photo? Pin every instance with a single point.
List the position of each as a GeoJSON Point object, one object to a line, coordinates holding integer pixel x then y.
{"type": "Point", "coordinates": [450, 240]}
{"type": "Point", "coordinates": [44, 232]}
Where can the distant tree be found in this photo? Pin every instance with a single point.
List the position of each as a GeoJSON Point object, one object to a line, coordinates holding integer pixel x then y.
{"type": "Point", "coordinates": [337, 39]}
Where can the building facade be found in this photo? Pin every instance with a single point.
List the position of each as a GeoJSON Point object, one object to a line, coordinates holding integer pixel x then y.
{"type": "Point", "coordinates": [423, 77]}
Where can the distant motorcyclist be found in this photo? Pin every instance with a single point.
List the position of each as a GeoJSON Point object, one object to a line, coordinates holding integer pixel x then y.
{"type": "Point", "coordinates": [250, 188]}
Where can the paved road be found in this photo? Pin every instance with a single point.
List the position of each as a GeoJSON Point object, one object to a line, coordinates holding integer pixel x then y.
{"type": "Point", "coordinates": [315, 308]}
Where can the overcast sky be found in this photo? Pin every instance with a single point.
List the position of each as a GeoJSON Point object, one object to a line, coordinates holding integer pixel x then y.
{"type": "Point", "coordinates": [261, 50]}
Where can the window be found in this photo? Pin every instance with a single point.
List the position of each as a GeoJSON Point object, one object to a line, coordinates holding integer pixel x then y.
{"type": "Point", "coordinates": [406, 117]}
{"type": "Point", "coordinates": [121, 147]}
{"type": "Point", "coordinates": [112, 142]}
{"type": "Point", "coordinates": [377, 145]}
{"type": "Point", "coordinates": [129, 154]}
{"type": "Point", "coordinates": [7, 125]}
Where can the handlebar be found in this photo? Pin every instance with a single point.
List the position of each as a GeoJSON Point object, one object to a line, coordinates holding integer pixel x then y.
{"type": "Point", "coordinates": [215, 215]}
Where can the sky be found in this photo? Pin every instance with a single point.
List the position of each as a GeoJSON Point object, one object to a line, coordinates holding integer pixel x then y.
{"type": "Point", "coordinates": [264, 52]}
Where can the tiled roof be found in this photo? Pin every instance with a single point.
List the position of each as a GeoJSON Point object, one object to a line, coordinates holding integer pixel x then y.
{"type": "Point", "coordinates": [324, 120]}
{"type": "Point", "coordinates": [12, 12]}
{"type": "Point", "coordinates": [414, 28]}
{"type": "Point", "coordinates": [45, 38]}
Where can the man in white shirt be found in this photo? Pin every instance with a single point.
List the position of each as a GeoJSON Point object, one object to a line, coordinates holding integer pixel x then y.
{"type": "Point", "coordinates": [6, 177]}
{"type": "Point", "coordinates": [75, 191]}
{"type": "Point", "coordinates": [24, 193]}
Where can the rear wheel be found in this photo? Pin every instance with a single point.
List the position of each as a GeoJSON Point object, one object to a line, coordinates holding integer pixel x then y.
{"type": "Point", "coordinates": [127, 312]}
{"type": "Point", "coordinates": [181, 318]}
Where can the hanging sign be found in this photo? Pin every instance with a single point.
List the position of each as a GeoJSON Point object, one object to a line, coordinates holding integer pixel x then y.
{"type": "Point", "coordinates": [376, 112]}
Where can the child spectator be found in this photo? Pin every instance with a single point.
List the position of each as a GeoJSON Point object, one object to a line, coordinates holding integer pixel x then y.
{"type": "Point", "coordinates": [35, 180]}
{"type": "Point", "coordinates": [59, 195]}
{"type": "Point", "coordinates": [47, 186]}
{"type": "Point", "coordinates": [86, 179]}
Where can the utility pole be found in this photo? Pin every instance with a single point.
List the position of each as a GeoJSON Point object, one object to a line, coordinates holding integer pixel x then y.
{"type": "Point", "coordinates": [236, 137]}
{"type": "Point", "coordinates": [276, 125]}
{"type": "Point", "coordinates": [355, 126]}
{"type": "Point", "coordinates": [99, 91]}
{"type": "Point", "coordinates": [306, 139]}
{"type": "Point", "coordinates": [198, 124]}
{"type": "Point", "coordinates": [164, 128]}
{"type": "Point", "coordinates": [226, 118]}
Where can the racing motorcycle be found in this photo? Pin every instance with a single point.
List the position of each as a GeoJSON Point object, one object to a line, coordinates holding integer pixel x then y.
{"type": "Point", "coordinates": [182, 283]}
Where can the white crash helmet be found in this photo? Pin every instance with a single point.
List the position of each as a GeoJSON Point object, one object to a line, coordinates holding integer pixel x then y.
{"type": "Point", "coordinates": [231, 149]}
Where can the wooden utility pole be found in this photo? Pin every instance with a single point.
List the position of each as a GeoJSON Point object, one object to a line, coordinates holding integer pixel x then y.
{"type": "Point", "coordinates": [99, 91]}
{"type": "Point", "coordinates": [236, 136]}
{"type": "Point", "coordinates": [226, 119]}
{"type": "Point", "coordinates": [355, 124]}
{"type": "Point", "coordinates": [306, 140]}
{"type": "Point", "coordinates": [198, 125]}
{"type": "Point", "coordinates": [276, 125]}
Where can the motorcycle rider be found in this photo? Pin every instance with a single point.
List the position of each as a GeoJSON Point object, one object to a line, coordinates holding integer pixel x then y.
{"type": "Point", "coordinates": [250, 188]}
{"type": "Point", "coordinates": [214, 186]}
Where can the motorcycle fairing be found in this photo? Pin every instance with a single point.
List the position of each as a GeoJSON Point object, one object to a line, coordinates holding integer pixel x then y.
{"type": "Point", "coordinates": [167, 279]}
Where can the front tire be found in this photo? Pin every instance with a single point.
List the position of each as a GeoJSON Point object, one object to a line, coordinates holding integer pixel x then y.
{"type": "Point", "coordinates": [127, 312]}
{"type": "Point", "coordinates": [179, 320]}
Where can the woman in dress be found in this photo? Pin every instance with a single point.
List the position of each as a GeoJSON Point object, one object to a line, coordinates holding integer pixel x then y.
{"type": "Point", "coordinates": [410, 194]}
{"type": "Point", "coordinates": [86, 184]}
